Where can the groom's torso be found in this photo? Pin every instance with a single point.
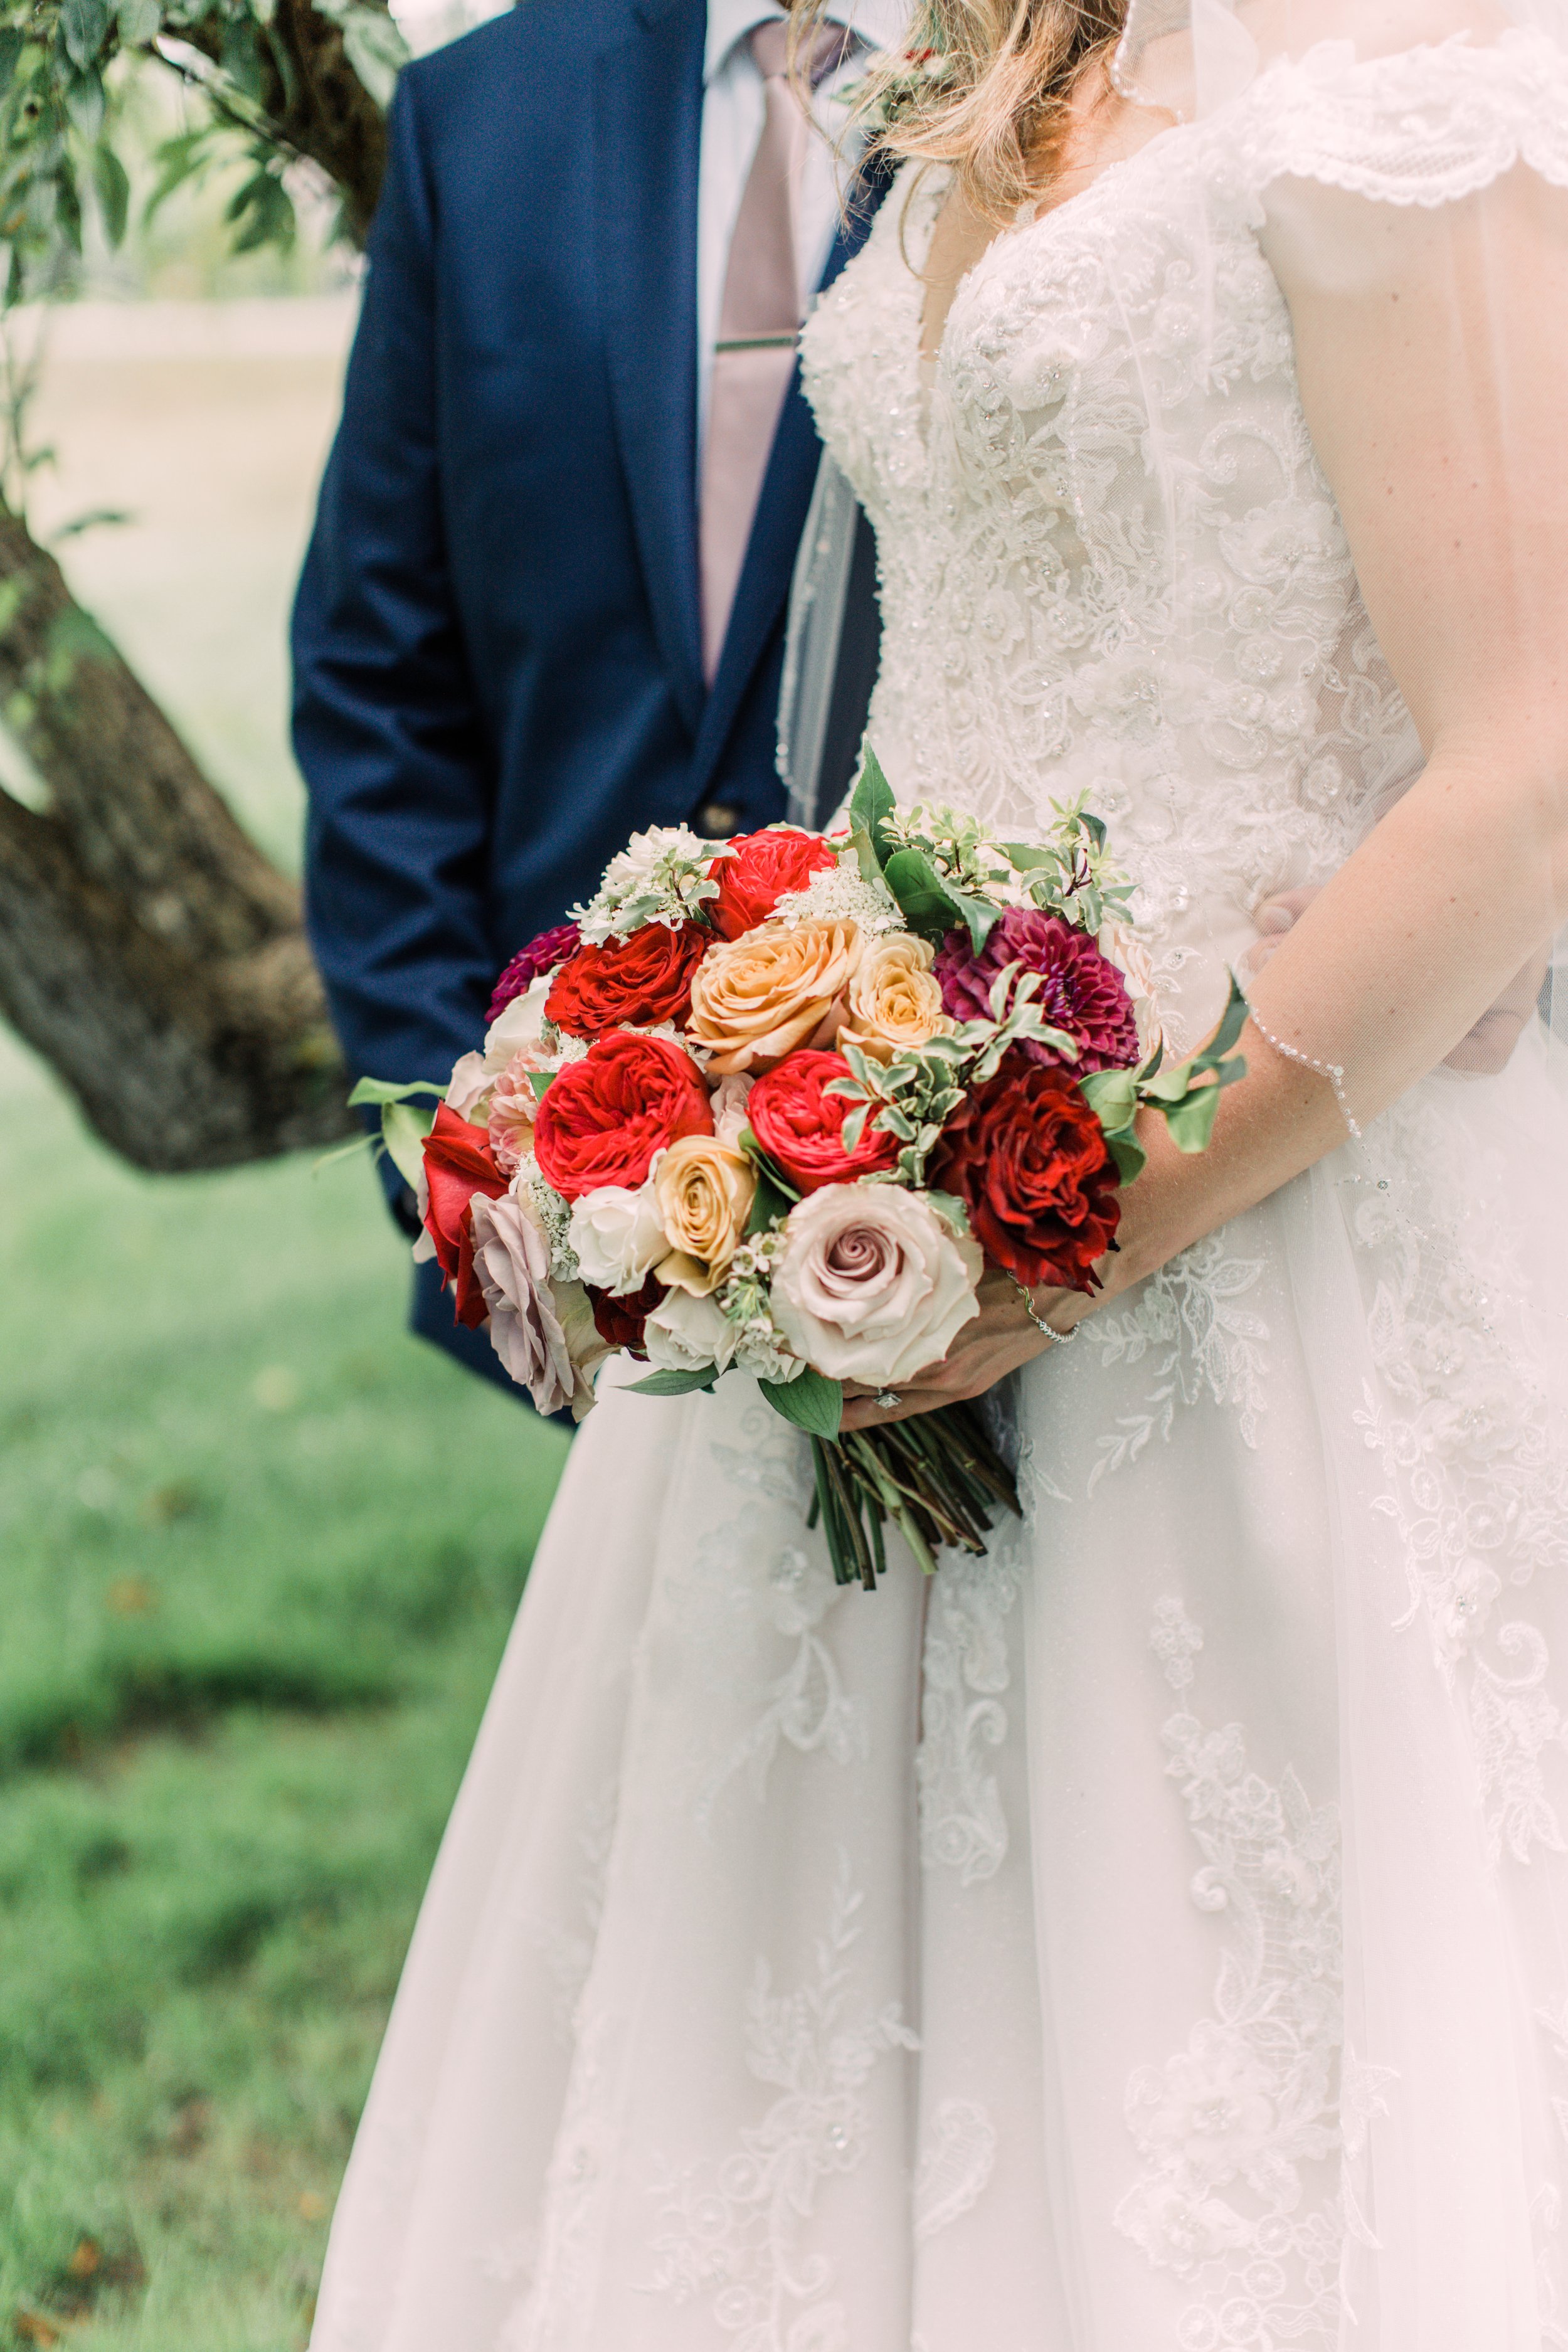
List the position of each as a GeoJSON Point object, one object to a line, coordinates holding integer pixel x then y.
{"type": "Point", "coordinates": [560, 150]}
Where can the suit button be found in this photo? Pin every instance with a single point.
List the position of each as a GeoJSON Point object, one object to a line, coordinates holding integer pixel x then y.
{"type": "Point", "coordinates": [715, 821]}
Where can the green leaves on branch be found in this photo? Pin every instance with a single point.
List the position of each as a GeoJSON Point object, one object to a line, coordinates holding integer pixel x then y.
{"type": "Point", "coordinates": [61, 113]}
{"type": "Point", "coordinates": [1186, 1097]}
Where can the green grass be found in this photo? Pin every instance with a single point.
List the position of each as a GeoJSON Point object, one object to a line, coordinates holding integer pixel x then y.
{"type": "Point", "coordinates": [259, 1553]}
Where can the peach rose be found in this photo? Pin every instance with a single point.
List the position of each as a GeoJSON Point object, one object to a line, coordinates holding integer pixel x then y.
{"type": "Point", "coordinates": [894, 1000]}
{"type": "Point", "coordinates": [704, 1196]}
{"type": "Point", "coordinates": [755, 999]}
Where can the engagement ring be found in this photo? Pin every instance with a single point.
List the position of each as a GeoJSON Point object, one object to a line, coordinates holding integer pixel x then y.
{"type": "Point", "coordinates": [888, 1401]}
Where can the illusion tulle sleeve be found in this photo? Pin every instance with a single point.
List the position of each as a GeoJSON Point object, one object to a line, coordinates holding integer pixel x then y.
{"type": "Point", "coordinates": [1415, 210]}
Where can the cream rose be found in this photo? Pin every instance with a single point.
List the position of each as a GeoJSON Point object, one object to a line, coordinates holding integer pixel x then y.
{"type": "Point", "coordinates": [894, 1000]}
{"type": "Point", "coordinates": [618, 1236]}
{"type": "Point", "coordinates": [687, 1334]}
{"type": "Point", "coordinates": [704, 1196]}
{"type": "Point", "coordinates": [871, 1284]}
{"type": "Point", "coordinates": [755, 999]}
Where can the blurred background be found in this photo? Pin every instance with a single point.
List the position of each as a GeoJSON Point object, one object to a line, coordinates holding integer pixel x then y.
{"type": "Point", "coordinates": [259, 1550]}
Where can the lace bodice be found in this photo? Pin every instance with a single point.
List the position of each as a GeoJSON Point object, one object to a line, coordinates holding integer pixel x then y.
{"type": "Point", "coordinates": [1110, 559]}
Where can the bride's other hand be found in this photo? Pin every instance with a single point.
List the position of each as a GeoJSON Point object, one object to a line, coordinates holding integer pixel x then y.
{"type": "Point", "coordinates": [1483, 1050]}
{"type": "Point", "coordinates": [1000, 1338]}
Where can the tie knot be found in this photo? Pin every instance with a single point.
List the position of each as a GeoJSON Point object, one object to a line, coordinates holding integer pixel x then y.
{"type": "Point", "coordinates": [827, 48]}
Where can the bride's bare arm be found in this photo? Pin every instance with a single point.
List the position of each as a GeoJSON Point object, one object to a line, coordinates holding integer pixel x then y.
{"type": "Point", "coordinates": [1432, 349]}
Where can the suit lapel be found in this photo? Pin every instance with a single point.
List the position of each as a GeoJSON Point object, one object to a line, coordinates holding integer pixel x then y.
{"type": "Point", "coordinates": [650, 107]}
{"type": "Point", "coordinates": [763, 585]}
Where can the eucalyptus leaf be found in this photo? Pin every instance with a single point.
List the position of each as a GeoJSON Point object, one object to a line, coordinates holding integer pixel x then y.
{"type": "Point", "coordinates": [813, 1402]}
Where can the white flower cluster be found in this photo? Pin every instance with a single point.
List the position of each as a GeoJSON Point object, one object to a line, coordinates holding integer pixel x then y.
{"type": "Point", "coordinates": [760, 1346]}
{"type": "Point", "coordinates": [551, 1213]}
{"type": "Point", "coordinates": [841, 894]}
{"type": "Point", "coordinates": [661, 878]}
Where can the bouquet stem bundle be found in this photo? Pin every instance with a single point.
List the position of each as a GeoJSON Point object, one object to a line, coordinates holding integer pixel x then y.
{"type": "Point", "coordinates": [937, 1478]}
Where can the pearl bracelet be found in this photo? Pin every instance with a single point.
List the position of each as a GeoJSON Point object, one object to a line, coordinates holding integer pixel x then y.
{"type": "Point", "coordinates": [1057, 1339]}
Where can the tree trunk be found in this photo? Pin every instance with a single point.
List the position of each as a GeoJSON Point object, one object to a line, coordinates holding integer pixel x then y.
{"type": "Point", "coordinates": [148, 951]}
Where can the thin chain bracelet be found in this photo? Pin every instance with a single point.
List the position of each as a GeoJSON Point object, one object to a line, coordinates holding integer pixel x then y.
{"type": "Point", "coordinates": [1059, 1338]}
{"type": "Point", "coordinates": [1333, 1071]}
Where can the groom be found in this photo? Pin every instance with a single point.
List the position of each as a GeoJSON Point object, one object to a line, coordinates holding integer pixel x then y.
{"type": "Point", "coordinates": [543, 604]}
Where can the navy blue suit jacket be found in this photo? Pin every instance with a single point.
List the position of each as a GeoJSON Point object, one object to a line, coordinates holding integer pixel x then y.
{"type": "Point", "coordinates": [497, 654]}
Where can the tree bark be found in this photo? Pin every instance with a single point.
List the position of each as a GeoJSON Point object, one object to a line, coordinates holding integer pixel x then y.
{"type": "Point", "coordinates": [148, 951]}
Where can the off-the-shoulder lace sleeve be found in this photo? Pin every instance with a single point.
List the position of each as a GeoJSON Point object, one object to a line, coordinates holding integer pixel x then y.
{"type": "Point", "coordinates": [1425, 126]}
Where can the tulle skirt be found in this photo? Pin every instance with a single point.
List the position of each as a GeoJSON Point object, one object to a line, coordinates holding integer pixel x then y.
{"type": "Point", "coordinates": [1154, 1935]}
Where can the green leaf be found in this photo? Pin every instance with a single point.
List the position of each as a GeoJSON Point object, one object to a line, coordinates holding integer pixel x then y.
{"type": "Point", "coordinates": [767, 1167]}
{"type": "Point", "coordinates": [673, 1384]}
{"type": "Point", "coordinates": [1190, 1121]}
{"type": "Point", "coordinates": [83, 24]}
{"type": "Point", "coordinates": [769, 1205]}
{"type": "Point", "coordinates": [982, 915]}
{"type": "Point", "coordinates": [376, 50]}
{"type": "Point", "coordinates": [872, 803]}
{"type": "Point", "coordinates": [95, 519]}
{"type": "Point", "coordinates": [139, 22]}
{"type": "Point", "coordinates": [924, 901]}
{"type": "Point", "coordinates": [387, 1090]}
{"type": "Point", "coordinates": [114, 204]}
{"type": "Point", "coordinates": [402, 1130]}
{"type": "Point", "coordinates": [813, 1402]}
{"type": "Point", "coordinates": [11, 46]}
{"type": "Point", "coordinates": [1025, 855]}
{"type": "Point", "coordinates": [949, 1207]}
{"type": "Point", "coordinates": [541, 1081]}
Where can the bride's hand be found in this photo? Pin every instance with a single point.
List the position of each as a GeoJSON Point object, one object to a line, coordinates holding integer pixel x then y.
{"type": "Point", "coordinates": [1000, 1338]}
{"type": "Point", "coordinates": [1484, 1050]}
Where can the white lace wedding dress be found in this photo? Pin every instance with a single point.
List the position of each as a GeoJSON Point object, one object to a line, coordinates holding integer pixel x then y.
{"type": "Point", "coordinates": [1153, 1937]}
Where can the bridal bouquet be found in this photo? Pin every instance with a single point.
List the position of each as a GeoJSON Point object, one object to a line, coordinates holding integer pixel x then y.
{"type": "Point", "coordinates": [774, 1104]}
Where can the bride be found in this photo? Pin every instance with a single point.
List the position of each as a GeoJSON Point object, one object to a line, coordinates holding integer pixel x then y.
{"type": "Point", "coordinates": [1153, 1937]}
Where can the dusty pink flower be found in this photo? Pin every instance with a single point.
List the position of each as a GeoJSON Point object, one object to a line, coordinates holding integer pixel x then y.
{"type": "Point", "coordinates": [513, 1104]}
{"type": "Point", "coordinates": [1083, 992]}
{"type": "Point", "coordinates": [526, 1312]}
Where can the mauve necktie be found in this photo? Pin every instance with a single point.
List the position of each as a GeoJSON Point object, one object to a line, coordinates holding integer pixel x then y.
{"type": "Point", "coordinates": [759, 321]}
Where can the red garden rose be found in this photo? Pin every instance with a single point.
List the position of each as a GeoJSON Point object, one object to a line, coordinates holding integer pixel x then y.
{"type": "Point", "coordinates": [1081, 990]}
{"type": "Point", "coordinates": [619, 1322]}
{"type": "Point", "coordinates": [643, 979]}
{"type": "Point", "coordinates": [459, 1162]}
{"type": "Point", "coordinates": [605, 1116]}
{"type": "Point", "coordinates": [550, 948]}
{"type": "Point", "coordinates": [800, 1125]}
{"type": "Point", "coordinates": [1028, 1157]}
{"type": "Point", "coordinates": [763, 868]}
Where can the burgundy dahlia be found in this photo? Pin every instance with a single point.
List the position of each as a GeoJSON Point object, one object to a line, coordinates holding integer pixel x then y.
{"type": "Point", "coordinates": [542, 954]}
{"type": "Point", "coordinates": [1082, 991]}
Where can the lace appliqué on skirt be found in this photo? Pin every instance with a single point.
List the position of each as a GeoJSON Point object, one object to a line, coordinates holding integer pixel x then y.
{"type": "Point", "coordinates": [1234, 2128]}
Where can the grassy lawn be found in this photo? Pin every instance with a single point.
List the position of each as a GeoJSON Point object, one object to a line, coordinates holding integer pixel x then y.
{"type": "Point", "coordinates": [259, 1549]}
{"type": "Point", "coordinates": [258, 1552]}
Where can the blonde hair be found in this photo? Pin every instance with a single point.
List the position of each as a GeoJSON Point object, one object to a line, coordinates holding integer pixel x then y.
{"type": "Point", "coordinates": [985, 86]}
